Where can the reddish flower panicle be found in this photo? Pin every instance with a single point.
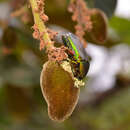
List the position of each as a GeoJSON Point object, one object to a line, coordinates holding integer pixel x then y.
{"type": "Point", "coordinates": [81, 14]}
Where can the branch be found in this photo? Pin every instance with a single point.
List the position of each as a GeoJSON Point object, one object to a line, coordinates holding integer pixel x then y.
{"type": "Point", "coordinates": [40, 25]}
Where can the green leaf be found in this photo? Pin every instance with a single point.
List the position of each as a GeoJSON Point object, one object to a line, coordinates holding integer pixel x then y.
{"type": "Point", "coordinates": [122, 27]}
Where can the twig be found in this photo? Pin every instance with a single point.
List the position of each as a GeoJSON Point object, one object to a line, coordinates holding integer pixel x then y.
{"type": "Point", "coordinates": [40, 24]}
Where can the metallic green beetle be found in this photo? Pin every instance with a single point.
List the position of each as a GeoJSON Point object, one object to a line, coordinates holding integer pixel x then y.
{"type": "Point", "coordinates": [78, 62]}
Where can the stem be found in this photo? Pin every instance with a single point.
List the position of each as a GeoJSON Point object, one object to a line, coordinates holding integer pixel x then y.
{"type": "Point", "coordinates": [40, 24]}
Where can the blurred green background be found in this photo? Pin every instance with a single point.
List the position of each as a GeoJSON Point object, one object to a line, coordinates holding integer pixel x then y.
{"type": "Point", "coordinates": [104, 101]}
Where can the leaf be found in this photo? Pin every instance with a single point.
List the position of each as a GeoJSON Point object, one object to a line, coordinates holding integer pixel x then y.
{"type": "Point", "coordinates": [112, 114]}
{"type": "Point", "coordinates": [108, 6]}
{"type": "Point", "coordinates": [58, 90]}
{"type": "Point", "coordinates": [19, 102]}
{"type": "Point", "coordinates": [9, 37]}
{"type": "Point", "coordinates": [122, 27]}
{"type": "Point", "coordinates": [18, 73]}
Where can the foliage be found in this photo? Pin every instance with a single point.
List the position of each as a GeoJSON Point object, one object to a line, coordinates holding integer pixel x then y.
{"type": "Point", "coordinates": [22, 105]}
{"type": "Point", "coordinates": [122, 28]}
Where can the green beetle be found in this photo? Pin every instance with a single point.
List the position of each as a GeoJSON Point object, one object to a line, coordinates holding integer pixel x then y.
{"type": "Point", "coordinates": [79, 64]}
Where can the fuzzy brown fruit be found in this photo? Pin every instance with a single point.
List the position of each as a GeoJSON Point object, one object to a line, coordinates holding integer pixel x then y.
{"type": "Point", "coordinates": [58, 90]}
{"type": "Point", "coordinates": [100, 27]}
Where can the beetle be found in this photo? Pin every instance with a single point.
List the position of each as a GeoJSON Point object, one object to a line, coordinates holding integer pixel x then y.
{"type": "Point", "coordinates": [79, 64]}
